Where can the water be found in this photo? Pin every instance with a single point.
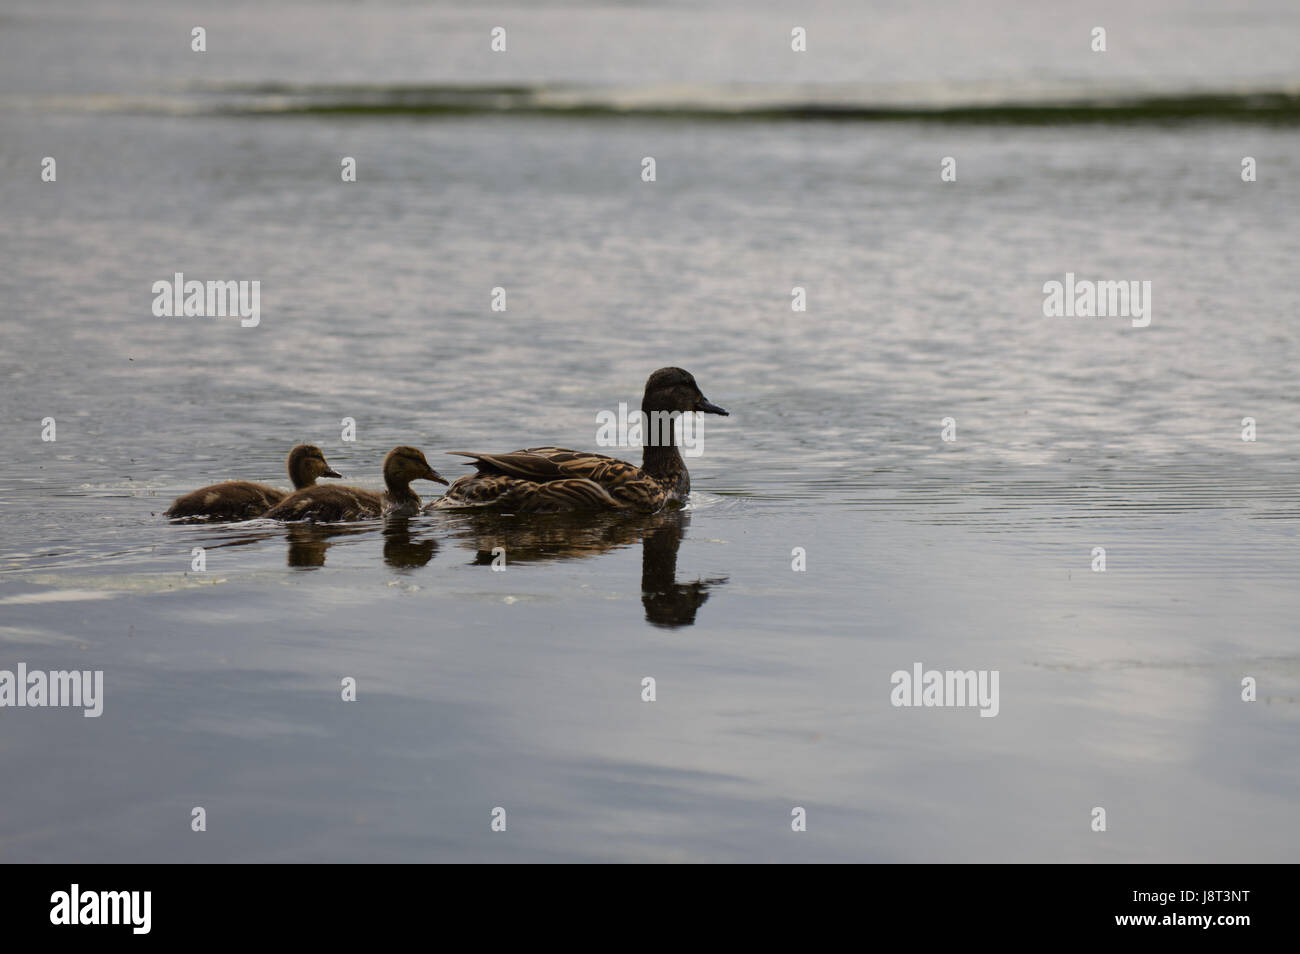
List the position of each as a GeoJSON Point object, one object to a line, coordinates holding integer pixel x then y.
{"type": "Point", "coordinates": [522, 689]}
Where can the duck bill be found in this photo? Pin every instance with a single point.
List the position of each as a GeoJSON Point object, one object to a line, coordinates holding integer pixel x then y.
{"type": "Point", "coordinates": [331, 472]}
{"type": "Point", "coordinates": [708, 407]}
{"type": "Point", "coordinates": [435, 476]}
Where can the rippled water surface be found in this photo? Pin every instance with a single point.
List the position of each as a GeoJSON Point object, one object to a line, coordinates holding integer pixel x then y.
{"type": "Point", "coordinates": [522, 689]}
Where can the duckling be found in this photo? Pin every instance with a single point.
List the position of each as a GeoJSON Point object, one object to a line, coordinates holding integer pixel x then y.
{"type": "Point", "coordinates": [554, 479]}
{"type": "Point", "coordinates": [243, 500]}
{"type": "Point", "coordinates": [334, 504]}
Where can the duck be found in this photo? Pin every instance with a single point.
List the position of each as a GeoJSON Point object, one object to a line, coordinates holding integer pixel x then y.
{"type": "Point", "coordinates": [557, 480]}
{"type": "Point", "coordinates": [337, 504]}
{"type": "Point", "coordinates": [244, 500]}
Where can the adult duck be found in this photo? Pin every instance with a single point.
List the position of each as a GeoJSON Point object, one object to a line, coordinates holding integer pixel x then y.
{"type": "Point", "coordinates": [556, 480]}
{"type": "Point", "coordinates": [244, 500]}
{"type": "Point", "coordinates": [337, 504]}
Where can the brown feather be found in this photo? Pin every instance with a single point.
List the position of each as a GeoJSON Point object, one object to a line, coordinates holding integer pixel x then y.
{"type": "Point", "coordinates": [328, 504]}
{"type": "Point", "coordinates": [242, 500]}
{"type": "Point", "coordinates": [554, 479]}
{"type": "Point", "coordinates": [336, 504]}
{"type": "Point", "coordinates": [232, 500]}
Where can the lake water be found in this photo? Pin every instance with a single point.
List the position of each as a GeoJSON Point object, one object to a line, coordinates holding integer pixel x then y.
{"type": "Point", "coordinates": [522, 689]}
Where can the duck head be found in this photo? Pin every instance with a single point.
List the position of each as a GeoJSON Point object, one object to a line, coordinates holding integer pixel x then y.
{"type": "Point", "coordinates": [305, 464]}
{"type": "Point", "coordinates": [672, 389]}
{"type": "Point", "coordinates": [405, 464]}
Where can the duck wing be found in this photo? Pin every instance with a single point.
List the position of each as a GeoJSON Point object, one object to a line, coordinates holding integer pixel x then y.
{"type": "Point", "coordinates": [233, 500]}
{"type": "Point", "coordinates": [328, 504]}
{"type": "Point", "coordinates": [554, 479]}
{"type": "Point", "coordinates": [542, 464]}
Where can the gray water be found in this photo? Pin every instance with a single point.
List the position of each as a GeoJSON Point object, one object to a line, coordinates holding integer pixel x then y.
{"type": "Point", "coordinates": [522, 689]}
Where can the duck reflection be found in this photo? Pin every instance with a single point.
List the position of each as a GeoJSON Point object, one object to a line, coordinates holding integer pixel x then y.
{"type": "Point", "coordinates": [240, 537]}
{"type": "Point", "coordinates": [542, 539]}
{"type": "Point", "coordinates": [522, 539]}
{"type": "Point", "coordinates": [309, 541]}
{"type": "Point", "coordinates": [403, 551]}
{"type": "Point", "coordinates": [669, 603]}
